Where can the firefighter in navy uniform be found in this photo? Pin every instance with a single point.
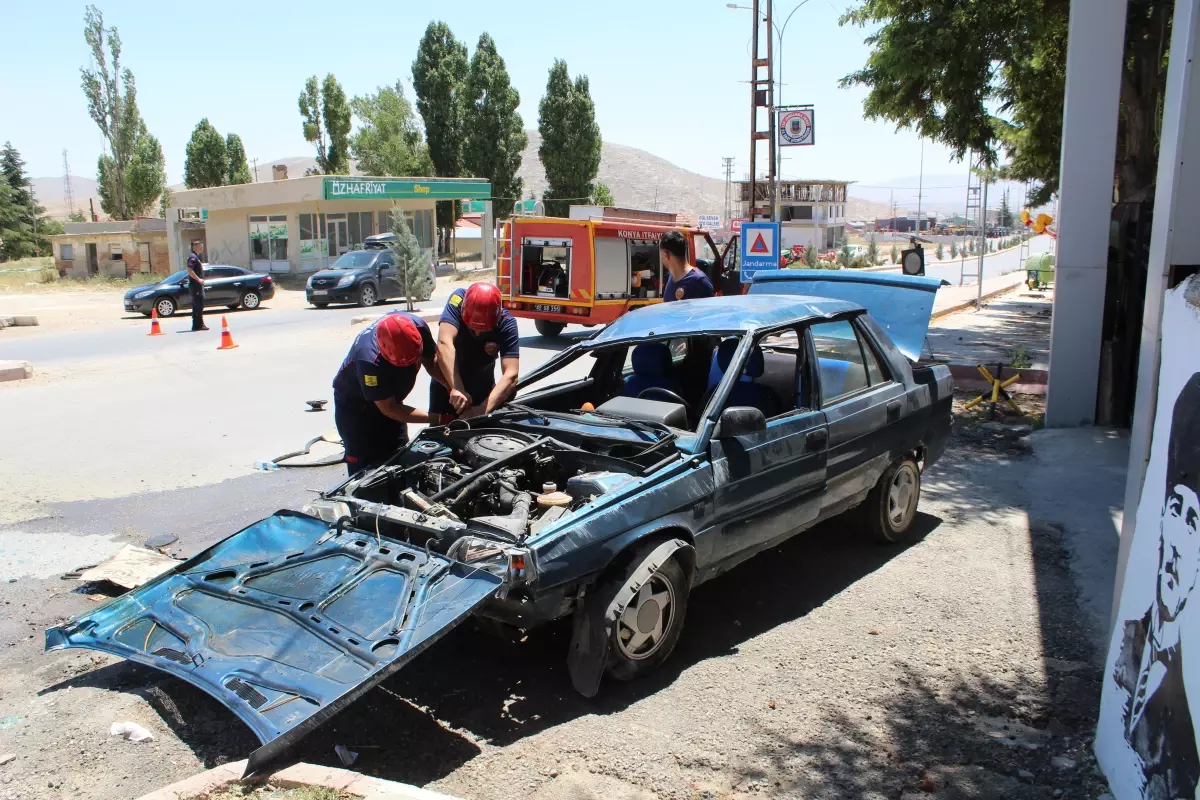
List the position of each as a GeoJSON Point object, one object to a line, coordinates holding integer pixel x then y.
{"type": "Point", "coordinates": [196, 287]}
{"type": "Point", "coordinates": [473, 332]}
{"type": "Point", "coordinates": [369, 388]}
{"type": "Point", "coordinates": [686, 282]}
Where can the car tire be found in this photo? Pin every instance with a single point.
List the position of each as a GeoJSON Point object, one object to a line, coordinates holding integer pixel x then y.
{"type": "Point", "coordinates": [368, 295]}
{"type": "Point", "coordinates": [321, 305]}
{"type": "Point", "coordinates": [250, 300]}
{"type": "Point", "coordinates": [628, 659]}
{"type": "Point", "coordinates": [890, 508]}
{"type": "Point", "coordinates": [549, 328]}
{"type": "Point", "coordinates": [165, 306]}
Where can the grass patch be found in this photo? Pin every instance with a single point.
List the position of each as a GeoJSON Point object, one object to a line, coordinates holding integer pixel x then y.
{"type": "Point", "coordinates": [30, 275]}
{"type": "Point", "coordinates": [1020, 357]}
{"type": "Point", "coordinates": [239, 792]}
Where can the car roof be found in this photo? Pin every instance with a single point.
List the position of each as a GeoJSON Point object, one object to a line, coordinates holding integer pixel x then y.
{"type": "Point", "coordinates": [721, 315]}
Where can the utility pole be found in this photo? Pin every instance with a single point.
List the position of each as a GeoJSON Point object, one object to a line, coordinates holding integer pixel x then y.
{"type": "Point", "coordinates": [762, 95]}
{"type": "Point", "coordinates": [255, 160]}
{"type": "Point", "coordinates": [67, 194]}
{"type": "Point", "coordinates": [727, 165]}
{"type": "Point", "coordinates": [920, 187]}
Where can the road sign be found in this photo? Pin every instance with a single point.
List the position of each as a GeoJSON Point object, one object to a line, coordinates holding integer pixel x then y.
{"type": "Point", "coordinates": [709, 222]}
{"type": "Point", "coordinates": [735, 225]}
{"type": "Point", "coordinates": [797, 127]}
{"type": "Point", "coordinates": [760, 248]}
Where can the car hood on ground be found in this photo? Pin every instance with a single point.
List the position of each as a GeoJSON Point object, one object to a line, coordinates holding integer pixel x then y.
{"type": "Point", "coordinates": [287, 621]}
{"type": "Point", "coordinates": [901, 304]}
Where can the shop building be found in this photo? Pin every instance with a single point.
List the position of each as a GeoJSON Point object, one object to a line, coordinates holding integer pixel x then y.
{"type": "Point", "coordinates": [301, 225]}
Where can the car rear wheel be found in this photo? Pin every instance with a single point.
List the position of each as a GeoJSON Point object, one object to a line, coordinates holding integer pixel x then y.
{"type": "Point", "coordinates": [250, 300]}
{"type": "Point", "coordinates": [367, 295]}
{"type": "Point", "coordinates": [165, 306]}
{"type": "Point", "coordinates": [891, 507]}
{"type": "Point", "coordinates": [645, 633]}
{"type": "Point", "coordinates": [548, 327]}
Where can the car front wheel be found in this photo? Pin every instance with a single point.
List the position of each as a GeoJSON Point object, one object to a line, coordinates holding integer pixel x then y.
{"type": "Point", "coordinates": [250, 300]}
{"type": "Point", "coordinates": [891, 507]}
{"type": "Point", "coordinates": [367, 295]}
{"type": "Point", "coordinates": [645, 632]}
{"type": "Point", "coordinates": [165, 306]}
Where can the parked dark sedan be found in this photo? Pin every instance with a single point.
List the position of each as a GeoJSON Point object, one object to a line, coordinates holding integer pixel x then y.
{"type": "Point", "coordinates": [223, 286]}
{"type": "Point", "coordinates": [686, 438]}
{"type": "Point", "coordinates": [362, 277]}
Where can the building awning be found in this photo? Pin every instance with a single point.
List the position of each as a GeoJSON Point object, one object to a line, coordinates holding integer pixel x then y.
{"type": "Point", "coordinates": [338, 188]}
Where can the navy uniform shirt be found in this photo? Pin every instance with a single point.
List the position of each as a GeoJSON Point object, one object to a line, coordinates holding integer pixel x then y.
{"type": "Point", "coordinates": [195, 266]}
{"type": "Point", "coordinates": [694, 284]}
{"type": "Point", "coordinates": [477, 350]}
{"type": "Point", "coordinates": [367, 376]}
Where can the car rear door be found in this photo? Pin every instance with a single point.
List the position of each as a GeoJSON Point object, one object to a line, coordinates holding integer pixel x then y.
{"type": "Point", "coordinates": [770, 483]}
{"type": "Point", "coordinates": [862, 406]}
{"type": "Point", "coordinates": [287, 621]}
{"type": "Point", "coordinates": [218, 286]}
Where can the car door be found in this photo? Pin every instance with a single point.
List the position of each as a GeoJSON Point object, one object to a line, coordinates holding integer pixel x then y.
{"type": "Point", "coordinates": [240, 280]}
{"type": "Point", "coordinates": [769, 483]}
{"type": "Point", "coordinates": [861, 403]}
{"type": "Point", "coordinates": [218, 287]}
{"type": "Point", "coordinates": [389, 276]}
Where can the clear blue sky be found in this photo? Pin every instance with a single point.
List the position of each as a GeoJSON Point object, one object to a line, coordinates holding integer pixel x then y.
{"type": "Point", "coordinates": [667, 76]}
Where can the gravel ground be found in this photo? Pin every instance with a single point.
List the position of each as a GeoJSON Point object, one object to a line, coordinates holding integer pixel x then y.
{"type": "Point", "coordinates": [955, 667]}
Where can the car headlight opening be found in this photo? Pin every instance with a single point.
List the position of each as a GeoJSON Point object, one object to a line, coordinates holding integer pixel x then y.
{"type": "Point", "coordinates": [345, 281]}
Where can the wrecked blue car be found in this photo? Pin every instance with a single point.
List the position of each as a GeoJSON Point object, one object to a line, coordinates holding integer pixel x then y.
{"type": "Point", "coordinates": [677, 442]}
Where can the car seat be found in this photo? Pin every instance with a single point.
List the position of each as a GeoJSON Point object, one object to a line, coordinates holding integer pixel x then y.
{"type": "Point", "coordinates": [651, 369]}
{"type": "Point", "coordinates": [745, 392]}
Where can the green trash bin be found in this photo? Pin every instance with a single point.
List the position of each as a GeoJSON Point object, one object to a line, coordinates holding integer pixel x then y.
{"type": "Point", "coordinates": [1039, 271]}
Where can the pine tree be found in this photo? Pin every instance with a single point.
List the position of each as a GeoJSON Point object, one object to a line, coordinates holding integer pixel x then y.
{"type": "Point", "coordinates": [895, 254]}
{"type": "Point", "coordinates": [872, 252]}
{"type": "Point", "coordinates": [495, 138]}
{"type": "Point", "coordinates": [414, 265]}
{"type": "Point", "coordinates": [954, 250]}
{"type": "Point", "coordinates": [570, 149]}
{"type": "Point", "coordinates": [23, 226]}
{"type": "Point", "coordinates": [205, 163]}
{"type": "Point", "coordinates": [237, 170]}
{"type": "Point", "coordinates": [941, 252]}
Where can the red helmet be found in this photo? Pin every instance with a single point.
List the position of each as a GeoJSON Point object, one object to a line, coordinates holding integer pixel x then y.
{"type": "Point", "coordinates": [481, 307]}
{"type": "Point", "coordinates": [399, 340]}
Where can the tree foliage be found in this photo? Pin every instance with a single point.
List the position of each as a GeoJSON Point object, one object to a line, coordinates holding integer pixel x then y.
{"type": "Point", "coordinates": [414, 264]}
{"type": "Point", "coordinates": [146, 176]}
{"type": "Point", "coordinates": [112, 104]}
{"type": "Point", "coordinates": [1005, 216]}
{"type": "Point", "coordinates": [388, 141]}
{"type": "Point", "coordinates": [205, 163]}
{"type": "Point", "coordinates": [237, 169]}
{"type": "Point", "coordinates": [495, 137]}
{"type": "Point", "coordinates": [439, 81]}
{"type": "Point", "coordinates": [326, 124]}
{"type": "Point", "coordinates": [570, 149]}
{"type": "Point", "coordinates": [23, 224]}
{"type": "Point", "coordinates": [938, 66]}
{"type": "Point", "coordinates": [602, 195]}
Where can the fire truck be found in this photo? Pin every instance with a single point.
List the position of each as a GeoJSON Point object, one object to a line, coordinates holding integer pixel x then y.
{"type": "Point", "coordinates": [590, 271]}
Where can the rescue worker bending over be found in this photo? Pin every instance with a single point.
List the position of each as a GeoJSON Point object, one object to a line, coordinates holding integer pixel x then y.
{"type": "Point", "coordinates": [474, 330]}
{"type": "Point", "coordinates": [686, 282]}
{"type": "Point", "coordinates": [368, 391]}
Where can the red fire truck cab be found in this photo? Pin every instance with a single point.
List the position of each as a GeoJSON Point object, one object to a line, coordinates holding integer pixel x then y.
{"type": "Point", "coordinates": [589, 272]}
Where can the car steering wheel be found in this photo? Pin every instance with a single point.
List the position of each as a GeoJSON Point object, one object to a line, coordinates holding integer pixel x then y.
{"type": "Point", "coordinates": [687, 408]}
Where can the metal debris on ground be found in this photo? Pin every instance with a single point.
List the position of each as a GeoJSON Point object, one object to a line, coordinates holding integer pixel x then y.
{"type": "Point", "coordinates": [131, 567]}
{"type": "Point", "coordinates": [347, 757]}
{"type": "Point", "coordinates": [161, 540]}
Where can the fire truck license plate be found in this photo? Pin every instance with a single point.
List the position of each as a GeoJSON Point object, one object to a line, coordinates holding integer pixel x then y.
{"type": "Point", "coordinates": [548, 309]}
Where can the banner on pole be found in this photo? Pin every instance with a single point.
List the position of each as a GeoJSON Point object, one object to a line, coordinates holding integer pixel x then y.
{"type": "Point", "coordinates": [797, 127]}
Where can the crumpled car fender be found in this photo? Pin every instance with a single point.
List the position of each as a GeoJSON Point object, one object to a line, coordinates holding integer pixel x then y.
{"type": "Point", "coordinates": [593, 624]}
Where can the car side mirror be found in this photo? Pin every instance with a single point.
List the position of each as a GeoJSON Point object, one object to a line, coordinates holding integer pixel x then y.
{"type": "Point", "coordinates": [740, 421]}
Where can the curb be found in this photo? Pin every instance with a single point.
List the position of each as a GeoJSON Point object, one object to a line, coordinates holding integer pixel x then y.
{"type": "Point", "coordinates": [15, 371]}
{"type": "Point", "coordinates": [423, 313]}
{"type": "Point", "coordinates": [298, 775]}
{"type": "Point", "coordinates": [968, 304]}
{"type": "Point", "coordinates": [967, 378]}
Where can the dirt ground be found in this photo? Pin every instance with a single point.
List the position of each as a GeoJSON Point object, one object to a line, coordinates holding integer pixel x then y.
{"type": "Point", "coordinates": [953, 667]}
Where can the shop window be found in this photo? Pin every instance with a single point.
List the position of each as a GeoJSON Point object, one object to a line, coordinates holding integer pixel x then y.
{"type": "Point", "coordinates": [356, 237]}
{"type": "Point", "coordinates": [307, 223]}
{"type": "Point", "coordinates": [383, 220]}
{"type": "Point", "coordinates": [115, 253]}
{"type": "Point", "coordinates": [66, 252]}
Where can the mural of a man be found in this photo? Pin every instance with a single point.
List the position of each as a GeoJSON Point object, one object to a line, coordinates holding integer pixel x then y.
{"type": "Point", "coordinates": [1157, 720]}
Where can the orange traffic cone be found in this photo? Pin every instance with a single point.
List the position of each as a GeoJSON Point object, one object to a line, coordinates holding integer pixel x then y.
{"type": "Point", "coordinates": [226, 338]}
{"type": "Point", "coordinates": [155, 330]}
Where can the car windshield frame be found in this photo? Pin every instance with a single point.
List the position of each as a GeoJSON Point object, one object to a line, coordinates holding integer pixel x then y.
{"type": "Point", "coordinates": [173, 279]}
{"type": "Point", "coordinates": [353, 255]}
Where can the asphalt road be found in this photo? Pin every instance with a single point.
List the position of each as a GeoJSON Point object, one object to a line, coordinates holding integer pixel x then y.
{"type": "Point", "coordinates": [993, 265]}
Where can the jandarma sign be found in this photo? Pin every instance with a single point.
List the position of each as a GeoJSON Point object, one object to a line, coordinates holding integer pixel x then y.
{"type": "Point", "coordinates": [387, 189]}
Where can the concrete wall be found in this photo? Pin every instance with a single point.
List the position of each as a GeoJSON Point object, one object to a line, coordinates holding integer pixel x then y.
{"type": "Point", "coordinates": [131, 256]}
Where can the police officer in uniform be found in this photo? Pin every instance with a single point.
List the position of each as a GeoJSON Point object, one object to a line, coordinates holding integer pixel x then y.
{"type": "Point", "coordinates": [369, 389]}
{"type": "Point", "coordinates": [473, 332]}
{"type": "Point", "coordinates": [686, 282]}
{"type": "Point", "coordinates": [196, 287]}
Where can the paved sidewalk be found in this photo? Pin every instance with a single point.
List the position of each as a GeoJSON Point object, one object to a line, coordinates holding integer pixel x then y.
{"type": "Point", "coordinates": [953, 298]}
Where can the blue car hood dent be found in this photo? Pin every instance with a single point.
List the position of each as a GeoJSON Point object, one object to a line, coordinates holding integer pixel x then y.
{"type": "Point", "coordinates": [287, 621]}
{"type": "Point", "coordinates": [901, 304]}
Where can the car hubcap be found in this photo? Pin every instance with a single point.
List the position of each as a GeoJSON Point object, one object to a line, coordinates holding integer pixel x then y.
{"type": "Point", "coordinates": [250, 301]}
{"type": "Point", "coordinates": [165, 309]}
{"type": "Point", "coordinates": [368, 296]}
{"type": "Point", "coordinates": [902, 496]}
{"type": "Point", "coordinates": [643, 626]}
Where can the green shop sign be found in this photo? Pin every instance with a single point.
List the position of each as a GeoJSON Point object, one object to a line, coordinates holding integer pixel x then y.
{"type": "Point", "coordinates": [388, 189]}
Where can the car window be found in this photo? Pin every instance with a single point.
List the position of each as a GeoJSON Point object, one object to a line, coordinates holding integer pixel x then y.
{"type": "Point", "coordinates": [874, 371]}
{"type": "Point", "coordinates": [781, 380]}
{"type": "Point", "coordinates": [177, 277]}
{"type": "Point", "coordinates": [679, 351]}
{"type": "Point", "coordinates": [386, 260]}
{"type": "Point", "coordinates": [222, 272]}
{"type": "Point", "coordinates": [355, 259]}
{"type": "Point", "coordinates": [840, 365]}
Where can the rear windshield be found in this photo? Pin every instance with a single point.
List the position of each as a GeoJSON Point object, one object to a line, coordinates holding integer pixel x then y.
{"type": "Point", "coordinates": [358, 258]}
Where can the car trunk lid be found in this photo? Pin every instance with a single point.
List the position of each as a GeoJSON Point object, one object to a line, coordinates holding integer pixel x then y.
{"type": "Point", "coordinates": [901, 304]}
{"type": "Point", "coordinates": [287, 621]}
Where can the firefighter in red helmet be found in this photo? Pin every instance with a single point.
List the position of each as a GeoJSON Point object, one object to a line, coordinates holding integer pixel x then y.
{"type": "Point", "coordinates": [473, 332]}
